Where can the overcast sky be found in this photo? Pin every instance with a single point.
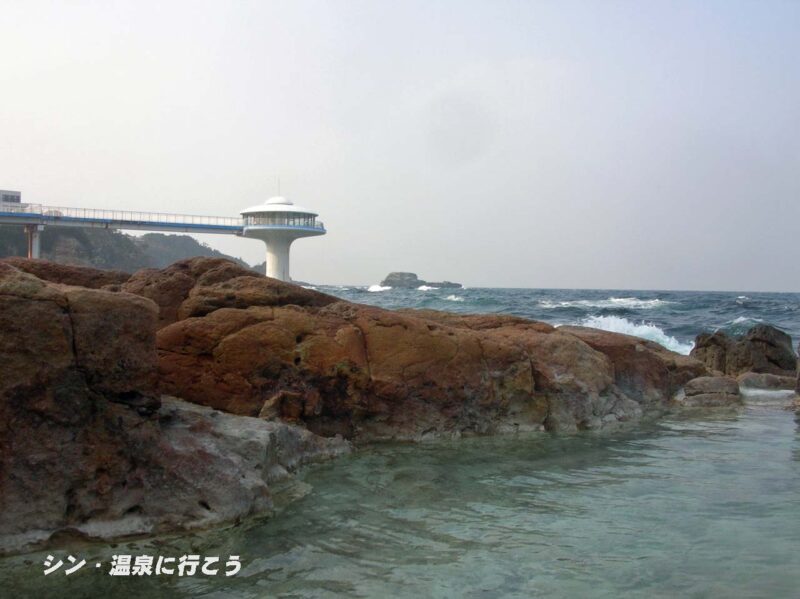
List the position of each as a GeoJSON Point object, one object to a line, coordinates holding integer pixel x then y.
{"type": "Point", "coordinates": [516, 144]}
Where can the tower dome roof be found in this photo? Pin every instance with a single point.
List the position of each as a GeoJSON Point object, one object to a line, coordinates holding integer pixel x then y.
{"type": "Point", "coordinates": [277, 204]}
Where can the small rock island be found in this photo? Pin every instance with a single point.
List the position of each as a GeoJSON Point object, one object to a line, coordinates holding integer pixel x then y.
{"type": "Point", "coordinates": [409, 280]}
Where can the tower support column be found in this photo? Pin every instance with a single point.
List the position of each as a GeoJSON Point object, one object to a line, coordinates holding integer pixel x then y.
{"type": "Point", "coordinates": [278, 258]}
{"type": "Point", "coordinates": [33, 233]}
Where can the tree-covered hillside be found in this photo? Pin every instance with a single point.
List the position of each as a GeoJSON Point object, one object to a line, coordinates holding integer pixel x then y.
{"type": "Point", "coordinates": [105, 248]}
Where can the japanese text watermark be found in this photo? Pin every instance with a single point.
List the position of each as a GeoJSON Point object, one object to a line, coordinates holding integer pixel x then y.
{"type": "Point", "coordinates": [149, 565]}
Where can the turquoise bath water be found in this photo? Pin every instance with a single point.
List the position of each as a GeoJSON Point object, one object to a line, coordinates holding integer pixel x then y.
{"type": "Point", "coordinates": [700, 506]}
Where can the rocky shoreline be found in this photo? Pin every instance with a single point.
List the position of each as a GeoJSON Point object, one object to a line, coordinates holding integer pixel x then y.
{"type": "Point", "coordinates": [174, 399]}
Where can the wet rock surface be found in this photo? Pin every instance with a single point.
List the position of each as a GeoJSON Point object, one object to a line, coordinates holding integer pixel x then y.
{"type": "Point", "coordinates": [767, 382]}
{"type": "Point", "coordinates": [711, 392]}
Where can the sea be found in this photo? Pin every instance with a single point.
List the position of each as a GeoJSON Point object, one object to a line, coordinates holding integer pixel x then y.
{"type": "Point", "coordinates": [700, 505]}
{"type": "Point", "coordinates": [671, 318]}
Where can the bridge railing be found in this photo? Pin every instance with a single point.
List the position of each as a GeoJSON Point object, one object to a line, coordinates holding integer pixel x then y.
{"type": "Point", "coordinates": [54, 213]}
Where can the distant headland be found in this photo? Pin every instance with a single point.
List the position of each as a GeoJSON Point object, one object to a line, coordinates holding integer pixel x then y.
{"type": "Point", "coordinates": [409, 280]}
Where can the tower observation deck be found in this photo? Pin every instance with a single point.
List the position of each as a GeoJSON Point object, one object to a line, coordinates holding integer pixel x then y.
{"type": "Point", "coordinates": [277, 223]}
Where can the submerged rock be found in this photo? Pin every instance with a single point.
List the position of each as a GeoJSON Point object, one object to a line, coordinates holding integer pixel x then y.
{"type": "Point", "coordinates": [763, 349]}
{"type": "Point", "coordinates": [756, 380]}
{"type": "Point", "coordinates": [409, 280]}
{"type": "Point", "coordinates": [711, 392]}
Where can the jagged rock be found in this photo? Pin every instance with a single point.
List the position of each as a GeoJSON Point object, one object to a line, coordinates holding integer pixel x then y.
{"type": "Point", "coordinates": [763, 349]}
{"type": "Point", "coordinates": [88, 448]}
{"type": "Point", "coordinates": [711, 392]}
{"type": "Point", "coordinates": [409, 280]}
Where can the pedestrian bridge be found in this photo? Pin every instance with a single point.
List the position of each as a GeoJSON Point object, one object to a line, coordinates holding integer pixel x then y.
{"type": "Point", "coordinates": [277, 222]}
{"type": "Point", "coordinates": [37, 214]}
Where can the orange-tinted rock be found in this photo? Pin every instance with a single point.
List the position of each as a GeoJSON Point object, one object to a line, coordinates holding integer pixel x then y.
{"type": "Point", "coordinates": [370, 373]}
{"type": "Point", "coordinates": [85, 448]}
{"type": "Point", "coordinates": [81, 276]}
{"type": "Point", "coordinates": [640, 367]}
{"type": "Point", "coordinates": [197, 286]}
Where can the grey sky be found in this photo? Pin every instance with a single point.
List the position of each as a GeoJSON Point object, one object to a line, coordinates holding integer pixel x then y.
{"type": "Point", "coordinates": [519, 144]}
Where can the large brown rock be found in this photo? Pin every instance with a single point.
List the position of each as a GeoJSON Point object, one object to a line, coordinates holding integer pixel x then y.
{"type": "Point", "coordinates": [81, 276]}
{"type": "Point", "coordinates": [252, 346]}
{"type": "Point", "coordinates": [763, 349]}
{"type": "Point", "coordinates": [197, 286]}
{"type": "Point", "coordinates": [87, 448]}
{"type": "Point", "coordinates": [62, 340]}
{"type": "Point", "coordinates": [641, 367]}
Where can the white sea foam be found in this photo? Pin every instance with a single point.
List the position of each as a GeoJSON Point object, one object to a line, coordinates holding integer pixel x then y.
{"type": "Point", "coordinates": [309, 287]}
{"type": "Point", "coordinates": [454, 298]}
{"type": "Point", "coordinates": [376, 288]}
{"type": "Point", "coordinates": [612, 302]}
{"type": "Point", "coordinates": [744, 319]}
{"type": "Point", "coordinates": [645, 330]}
{"type": "Point", "coordinates": [426, 288]}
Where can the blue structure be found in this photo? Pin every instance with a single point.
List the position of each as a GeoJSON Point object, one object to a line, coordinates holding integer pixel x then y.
{"type": "Point", "coordinates": [277, 223]}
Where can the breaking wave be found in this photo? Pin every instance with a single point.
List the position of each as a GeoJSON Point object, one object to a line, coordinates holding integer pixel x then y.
{"type": "Point", "coordinates": [454, 298]}
{"type": "Point", "coordinates": [645, 330]}
{"type": "Point", "coordinates": [740, 325]}
{"type": "Point", "coordinates": [633, 303]}
{"type": "Point", "coordinates": [746, 319]}
{"type": "Point", "coordinates": [426, 288]}
{"type": "Point", "coordinates": [376, 288]}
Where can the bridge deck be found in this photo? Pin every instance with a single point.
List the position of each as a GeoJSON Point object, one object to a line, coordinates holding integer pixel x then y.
{"type": "Point", "coordinates": [36, 214]}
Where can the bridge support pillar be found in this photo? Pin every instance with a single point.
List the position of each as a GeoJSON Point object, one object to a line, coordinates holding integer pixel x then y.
{"type": "Point", "coordinates": [33, 233]}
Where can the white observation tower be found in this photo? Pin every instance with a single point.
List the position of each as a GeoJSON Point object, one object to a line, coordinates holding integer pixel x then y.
{"type": "Point", "coordinates": [278, 222]}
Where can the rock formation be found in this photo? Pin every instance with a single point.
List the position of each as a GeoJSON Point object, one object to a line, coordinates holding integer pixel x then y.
{"type": "Point", "coordinates": [251, 345]}
{"type": "Point", "coordinates": [767, 382]}
{"type": "Point", "coordinates": [88, 447]}
{"type": "Point", "coordinates": [711, 392]}
{"type": "Point", "coordinates": [763, 349]}
{"type": "Point", "coordinates": [409, 280]}
{"type": "Point", "coordinates": [81, 276]}
{"type": "Point", "coordinates": [97, 443]}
